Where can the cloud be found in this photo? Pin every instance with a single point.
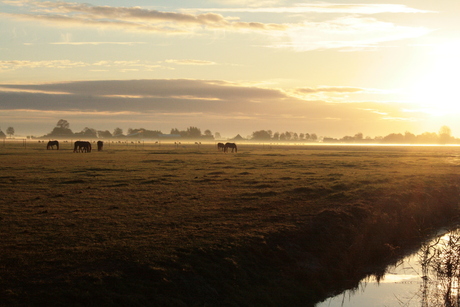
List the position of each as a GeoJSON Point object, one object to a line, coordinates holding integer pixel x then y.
{"type": "Point", "coordinates": [190, 62]}
{"type": "Point", "coordinates": [114, 94]}
{"type": "Point", "coordinates": [174, 95]}
{"type": "Point", "coordinates": [60, 64]}
{"type": "Point", "coordinates": [67, 64]}
{"type": "Point", "coordinates": [98, 43]}
{"type": "Point", "coordinates": [209, 104]}
{"type": "Point", "coordinates": [349, 31]}
{"type": "Point", "coordinates": [134, 18]}
{"type": "Point", "coordinates": [336, 89]}
{"type": "Point", "coordinates": [325, 8]}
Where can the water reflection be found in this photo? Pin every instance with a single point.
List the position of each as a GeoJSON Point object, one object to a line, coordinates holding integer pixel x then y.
{"type": "Point", "coordinates": [428, 278]}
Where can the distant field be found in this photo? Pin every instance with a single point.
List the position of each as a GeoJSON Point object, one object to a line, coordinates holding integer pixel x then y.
{"type": "Point", "coordinates": [79, 227]}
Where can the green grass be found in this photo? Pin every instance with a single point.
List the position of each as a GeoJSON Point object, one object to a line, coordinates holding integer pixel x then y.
{"type": "Point", "coordinates": [149, 225]}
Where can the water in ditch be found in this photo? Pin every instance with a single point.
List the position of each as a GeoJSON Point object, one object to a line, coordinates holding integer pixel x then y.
{"type": "Point", "coordinates": [428, 278]}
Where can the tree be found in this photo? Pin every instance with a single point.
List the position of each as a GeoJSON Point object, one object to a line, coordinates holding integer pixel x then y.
{"type": "Point", "coordinates": [193, 132]}
{"type": "Point", "coordinates": [2, 135]}
{"type": "Point", "coordinates": [89, 132]}
{"type": "Point", "coordinates": [262, 135]}
{"type": "Point", "coordinates": [394, 138]}
{"type": "Point", "coordinates": [287, 135]}
{"type": "Point", "coordinates": [217, 135]}
{"type": "Point", "coordinates": [445, 130]}
{"type": "Point", "coordinates": [313, 137]}
{"type": "Point", "coordinates": [62, 123]}
{"type": "Point", "coordinates": [60, 132]}
{"type": "Point", "coordinates": [445, 135]}
{"type": "Point", "coordinates": [409, 137]}
{"type": "Point", "coordinates": [104, 134]}
{"type": "Point", "coordinates": [428, 138]}
{"type": "Point", "coordinates": [117, 132]}
{"type": "Point", "coordinates": [10, 131]}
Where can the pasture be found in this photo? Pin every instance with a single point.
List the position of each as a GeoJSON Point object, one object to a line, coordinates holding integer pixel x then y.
{"type": "Point", "coordinates": [165, 225]}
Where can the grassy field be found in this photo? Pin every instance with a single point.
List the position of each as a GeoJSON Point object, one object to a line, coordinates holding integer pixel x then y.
{"type": "Point", "coordinates": [160, 225]}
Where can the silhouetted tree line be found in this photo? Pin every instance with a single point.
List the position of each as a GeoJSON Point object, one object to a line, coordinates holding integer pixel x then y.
{"type": "Point", "coordinates": [62, 130]}
{"type": "Point", "coordinates": [444, 136]}
{"type": "Point", "coordinates": [269, 136]}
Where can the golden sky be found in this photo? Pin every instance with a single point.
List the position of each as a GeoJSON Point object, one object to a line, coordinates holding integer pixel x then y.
{"type": "Point", "coordinates": [332, 68]}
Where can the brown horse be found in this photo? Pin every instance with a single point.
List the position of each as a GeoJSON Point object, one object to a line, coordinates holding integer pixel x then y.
{"type": "Point", "coordinates": [81, 146]}
{"type": "Point", "coordinates": [220, 146]}
{"type": "Point", "coordinates": [51, 145]}
{"type": "Point", "coordinates": [230, 145]}
{"type": "Point", "coordinates": [100, 144]}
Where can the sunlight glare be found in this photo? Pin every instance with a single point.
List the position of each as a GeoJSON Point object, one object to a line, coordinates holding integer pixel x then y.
{"type": "Point", "coordinates": [437, 92]}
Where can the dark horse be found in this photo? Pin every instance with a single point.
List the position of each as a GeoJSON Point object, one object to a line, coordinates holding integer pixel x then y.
{"type": "Point", "coordinates": [100, 144]}
{"type": "Point", "coordinates": [230, 145]}
{"type": "Point", "coordinates": [81, 146]}
{"type": "Point", "coordinates": [220, 146]}
{"type": "Point", "coordinates": [51, 145]}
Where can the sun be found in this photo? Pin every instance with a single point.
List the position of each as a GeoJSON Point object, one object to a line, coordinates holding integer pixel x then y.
{"type": "Point", "coordinates": [437, 92]}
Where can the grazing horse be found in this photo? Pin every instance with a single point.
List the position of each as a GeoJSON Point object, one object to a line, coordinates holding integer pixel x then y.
{"type": "Point", "coordinates": [51, 145]}
{"type": "Point", "coordinates": [230, 145]}
{"type": "Point", "coordinates": [220, 146]}
{"type": "Point", "coordinates": [100, 144]}
{"type": "Point", "coordinates": [81, 146]}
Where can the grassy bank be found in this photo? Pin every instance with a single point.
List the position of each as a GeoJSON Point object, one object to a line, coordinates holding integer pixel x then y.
{"type": "Point", "coordinates": [190, 226]}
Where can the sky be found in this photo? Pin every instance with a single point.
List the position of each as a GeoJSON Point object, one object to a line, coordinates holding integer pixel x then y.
{"type": "Point", "coordinates": [333, 68]}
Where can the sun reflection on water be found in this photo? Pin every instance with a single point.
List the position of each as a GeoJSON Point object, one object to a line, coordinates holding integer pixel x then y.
{"type": "Point", "coordinates": [428, 278]}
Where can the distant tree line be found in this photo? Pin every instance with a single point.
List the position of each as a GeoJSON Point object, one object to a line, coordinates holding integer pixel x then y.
{"type": "Point", "coordinates": [62, 130]}
{"type": "Point", "coordinates": [444, 136]}
{"type": "Point", "coordinates": [269, 136]}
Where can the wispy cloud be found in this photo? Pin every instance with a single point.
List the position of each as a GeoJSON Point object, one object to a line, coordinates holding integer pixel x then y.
{"type": "Point", "coordinates": [61, 64]}
{"type": "Point", "coordinates": [348, 31]}
{"type": "Point", "coordinates": [335, 94]}
{"type": "Point", "coordinates": [324, 8]}
{"type": "Point", "coordinates": [189, 62]}
{"type": "Point", "coordinates": [98, 43]}
{"type": "Point", "coordinates": [335, 89]}
{"type": "Point", "coordinates": [134, 18]}
{"type": "Point", "coordinates": [94, 66]}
